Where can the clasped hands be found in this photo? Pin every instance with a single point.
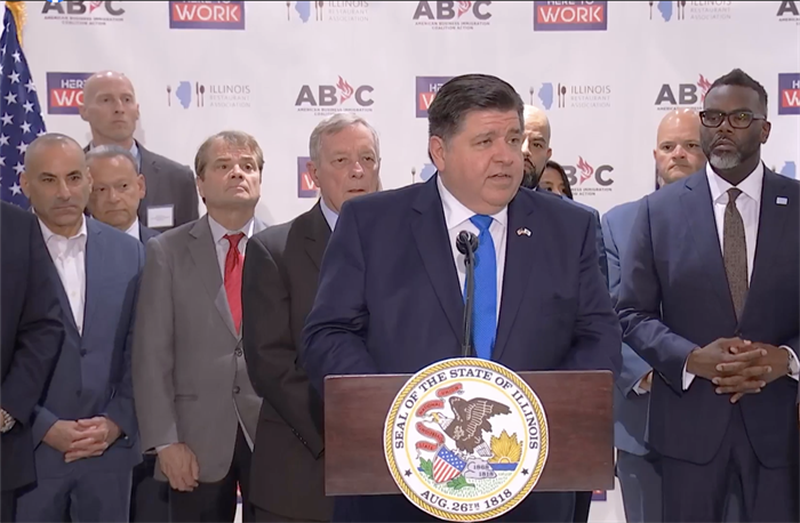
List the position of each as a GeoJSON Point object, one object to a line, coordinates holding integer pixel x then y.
{"type": "Point", "coordinates": [737, 366]}
{"type": "Point", "coordinates": [83, 438]}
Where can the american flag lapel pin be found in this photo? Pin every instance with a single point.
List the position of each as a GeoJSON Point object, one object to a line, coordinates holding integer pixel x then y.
{"type": "Point", "coordinates": [525, 231]}
{"type": "Point", "coordinates": [781, 200]}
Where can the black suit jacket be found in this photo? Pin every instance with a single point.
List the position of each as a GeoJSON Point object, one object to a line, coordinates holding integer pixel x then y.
{"type": "Point", "coordinates": [674, 296]}
{"type": "Point", "coordinates": [31, 337]}
{"type": "Point", "coordinates": [281, 270]}
{"type": "Point", "coordinates": [168, 183]}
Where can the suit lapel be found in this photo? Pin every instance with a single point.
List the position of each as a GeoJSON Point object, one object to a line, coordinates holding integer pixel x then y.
{"type": "Point", "coordinates": [771, 225]}
{"type": "Point", "coordinates": [149, 170]}
{"type": "Point", "coordinates": [204, 255]}
{"type": "Point", "coordinates": [317, 233]}
{"type": "Point", "coordinates": [63, 301]}
{"type": "Point", "coordinates": [698, 212]}
{"type": "Point", "coordinates": [94, 271]}
{"type": "Point", "coordinates": [433, 243]}
{"type": "Point", "coordinates": [521, 257]}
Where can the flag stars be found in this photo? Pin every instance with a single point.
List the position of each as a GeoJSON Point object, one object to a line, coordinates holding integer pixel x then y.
{"type": "Point", "coordinates": [19, 168]}
{"type": "Point", "coordinates": [26, 127]}
{"type": "Point", "coordinates": [11, 98]}
{"type": "Point", "coordinates": [16, 56]}
{"type": "Point", "coordinates": [31, 88]}
{"type": "Point", "coordinates": [14, 77]}
{"type": "Point", "coordinates": [16, 190]}
{"type": "Point", "coordinates": [3, 139]}
{"type": "Point", "coordinates": [28, 106]}
{"type": "Point", "coordinates": [22, 147]}
{"type": "Point", "coordinates": [7, 119]}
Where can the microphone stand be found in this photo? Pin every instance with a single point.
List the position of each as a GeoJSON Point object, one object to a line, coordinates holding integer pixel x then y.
{"type": "Point", "coordinates": [468, 350]}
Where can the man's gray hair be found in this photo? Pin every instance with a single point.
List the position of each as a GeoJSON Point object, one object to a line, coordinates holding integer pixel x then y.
{"type": "Point", "coordinates": [112, 151]}
{"type": "Point", "coordinates": [332, 125]}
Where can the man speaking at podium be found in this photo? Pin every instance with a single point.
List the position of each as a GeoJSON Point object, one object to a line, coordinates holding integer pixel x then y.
{"type": "Point", "coordinates": [390, 296]}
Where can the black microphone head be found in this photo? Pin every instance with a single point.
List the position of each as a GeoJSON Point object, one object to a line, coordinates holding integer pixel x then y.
{"type": "Point", "coordinates": [466, 241]}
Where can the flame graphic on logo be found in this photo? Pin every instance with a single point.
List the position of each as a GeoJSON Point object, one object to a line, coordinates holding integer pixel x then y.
{"type": "Point", "coordinates": [463, 7]}
{"type": "Point", "coordinates": [704, 85]}
{"type": "Point", "coordinates": [94, 5]}
{"type": "Point", "coordinates": [345, 88]}
{"type": "Point", "coordinates": [586, 170]}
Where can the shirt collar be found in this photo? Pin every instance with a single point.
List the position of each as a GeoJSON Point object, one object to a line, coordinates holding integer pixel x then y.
{"type": "Point", "coordinates": [330, 215]}
{"type": "Point", "coordinates": [218, 231]}
{"type": "Point", "coordinates": [134, 230]}
{"type": "Point", "coordinates": [48, 235]}
{"type": "Point", "coordinates": [456, 213]}
{"type": "Point", "coordinates": [750, 186]}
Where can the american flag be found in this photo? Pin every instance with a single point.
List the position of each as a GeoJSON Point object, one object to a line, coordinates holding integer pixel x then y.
{"type": "Point", "coordinates": [20, 113]}
{"type": "Point", "coordinates": [447, 465]}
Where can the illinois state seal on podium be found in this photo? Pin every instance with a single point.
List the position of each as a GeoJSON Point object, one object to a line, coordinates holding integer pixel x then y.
{"type": "Point", "coordinates": [466, 439]}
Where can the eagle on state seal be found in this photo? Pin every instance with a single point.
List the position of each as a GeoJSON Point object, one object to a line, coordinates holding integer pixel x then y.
{"type": "Point", "coordinates": [470, 421]}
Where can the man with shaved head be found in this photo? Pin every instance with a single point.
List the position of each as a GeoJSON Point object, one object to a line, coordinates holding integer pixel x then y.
{"type": "Point", "coordinates": [84, 428]}
{"type": "Point", "coordinates": [677, 154]}
{"type": "Point", "coordinates": [536, 146]}
{"type": "Point", "coordinates": [111, 109]}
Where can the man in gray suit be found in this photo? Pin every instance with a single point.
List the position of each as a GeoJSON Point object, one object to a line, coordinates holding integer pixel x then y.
{"type": "Point", "coordinates": [110, 108]}
{"type": "Point", "coordinates": [677, 155]}
{"type": "Point", "coordinates": [196, 406]}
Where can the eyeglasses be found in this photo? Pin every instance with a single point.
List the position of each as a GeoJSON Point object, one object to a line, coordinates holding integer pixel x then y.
{"type": "Point", "coordinates": [736, 119]}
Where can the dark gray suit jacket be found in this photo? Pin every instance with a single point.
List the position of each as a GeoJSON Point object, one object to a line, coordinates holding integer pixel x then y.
{"type": "Point", "coordinates": [281, 270]}
{"type": "Point", "coordinates": [168, 183]}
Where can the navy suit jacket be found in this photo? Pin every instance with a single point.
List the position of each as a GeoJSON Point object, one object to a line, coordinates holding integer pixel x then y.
{"type": "Point", "coordinates": [675, 297]}
{"type": "Point", "coordinates": [93, 373]}
{"type": "Point", "coordinates": [601, 252]}
{"type": "Point", "coordinates": [31, 336]}
{"type": "Point", "coordinates": [389, 299]}
{"type": "Point", "coordinates": [630, 408]}
{"type": "Point", "coordinates": [145, 233]}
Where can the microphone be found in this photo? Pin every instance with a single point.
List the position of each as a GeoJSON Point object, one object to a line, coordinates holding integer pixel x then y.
{"type": "Point", "coordinates": [467, 244]}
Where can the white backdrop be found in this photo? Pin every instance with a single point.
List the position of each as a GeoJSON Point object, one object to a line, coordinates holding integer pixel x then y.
{"type": "Point", "coordinates": [604, 72]}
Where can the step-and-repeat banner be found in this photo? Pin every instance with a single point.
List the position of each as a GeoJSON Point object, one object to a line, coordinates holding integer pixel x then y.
{"type": "Point", "coordinates": [605, 73]}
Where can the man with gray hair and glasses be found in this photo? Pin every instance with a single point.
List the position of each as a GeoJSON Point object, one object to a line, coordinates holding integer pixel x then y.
{"type": "Point", "coordinates": [280, 281]}
{"type": "Point", "coordinates": [117, 190]}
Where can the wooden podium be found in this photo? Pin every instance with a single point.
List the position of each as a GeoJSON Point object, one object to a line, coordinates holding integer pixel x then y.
{"type": "Point", "coordinates": [578, 407]}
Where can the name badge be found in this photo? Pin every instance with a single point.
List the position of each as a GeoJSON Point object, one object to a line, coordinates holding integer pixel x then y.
{"type": "Point", "coordinates": [160, 216]}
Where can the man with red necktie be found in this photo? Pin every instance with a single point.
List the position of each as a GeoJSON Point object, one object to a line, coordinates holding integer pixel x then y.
{"type": "Point", "coordinates": [197, 409]}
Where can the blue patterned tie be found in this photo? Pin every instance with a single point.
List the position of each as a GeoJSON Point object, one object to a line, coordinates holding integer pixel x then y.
{"type": "Point", "coordinates": [484, 313]}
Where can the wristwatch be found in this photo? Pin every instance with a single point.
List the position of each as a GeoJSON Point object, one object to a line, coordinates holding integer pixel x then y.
{"type": "Point", "coordinates": [8, 421]}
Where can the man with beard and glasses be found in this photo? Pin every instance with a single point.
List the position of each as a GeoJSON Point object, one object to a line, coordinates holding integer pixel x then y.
{"type": "Point", "coordinates": [677, 155]}
{"type": "Point", "coordinates": [717, 321]}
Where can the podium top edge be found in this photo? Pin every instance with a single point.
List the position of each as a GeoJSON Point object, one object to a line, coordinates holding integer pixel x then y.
{"type": "Point", "coordinates": [526, 372]}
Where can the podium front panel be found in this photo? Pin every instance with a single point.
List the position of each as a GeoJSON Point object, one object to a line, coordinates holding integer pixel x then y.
{"type": "Point", "coordinates": [578, 407]}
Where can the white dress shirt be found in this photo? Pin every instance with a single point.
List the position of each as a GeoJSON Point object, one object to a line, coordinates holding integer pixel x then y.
{"type": "Point", "coordinates": [456, 218]}
{"type": "Point", "coordinates": [133, 230]}
{"type": "Point", "coordinates": [69, 257]}
{"type": "Point", "coordinates": [330, 215]}
{"type": "Point", "coordinates": [218, 232]}
{"type": "Point", "coordinates": [749, 206]}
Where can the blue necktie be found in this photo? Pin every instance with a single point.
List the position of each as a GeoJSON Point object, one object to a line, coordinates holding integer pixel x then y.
{"type": "Point", "coordinates": [484, 312]}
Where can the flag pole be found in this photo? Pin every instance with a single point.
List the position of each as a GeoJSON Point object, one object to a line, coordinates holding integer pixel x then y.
{"type": "Point", "coordinates": [19, 13]}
